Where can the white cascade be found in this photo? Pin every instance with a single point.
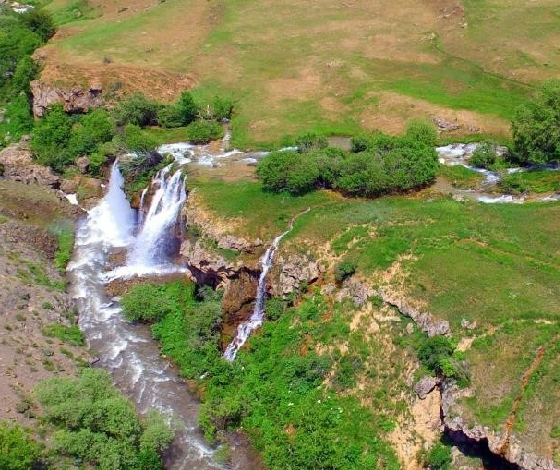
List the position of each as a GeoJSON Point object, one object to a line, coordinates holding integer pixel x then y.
{"type": "Point", "coordinates": [149, 246]}
{"type": "Point", "coordinates": [245, 329]}
{"type": "Point", "coordinates": [141, 206]}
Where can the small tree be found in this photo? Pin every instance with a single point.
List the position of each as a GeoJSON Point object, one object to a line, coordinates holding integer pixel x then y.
{"type": "Point", "coordinates": [18, 451]}
{"type": "Point", "coordinates": [536, 126]}
{"type": "Point", "coordinates": [50, 137]}
{"type": "Point", "coordinates": [187, 108]}
{"type": "Point", "coordinates": [39, 21]}
{"type": "Point", "coordinates": [344, 270]}
{"type": "Point", "coordinates": [136, 109]}
{"type": "Point", "coordinates": [422, 130]}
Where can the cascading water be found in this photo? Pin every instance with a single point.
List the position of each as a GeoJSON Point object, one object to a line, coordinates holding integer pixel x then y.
{"type": "Point", "coordinates": [245, 329]}
{"type": "Point", "coordinates": [141, 207]}
{"type": "Point", "coordinates": [125, 349]}
{"type": "Point", "coordinates": [150, 247]}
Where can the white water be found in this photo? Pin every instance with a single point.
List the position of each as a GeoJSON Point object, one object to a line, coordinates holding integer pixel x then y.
{"type": "Point", "coordinates": [245, 329]}
{"type": "Point", "coordinates": [125, 349]}
{"type": "Point", "coordinates": [141, 207]}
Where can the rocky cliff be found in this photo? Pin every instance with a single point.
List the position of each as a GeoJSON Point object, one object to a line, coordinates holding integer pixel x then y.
{"type": "Point", "coordinates": [75, 99]}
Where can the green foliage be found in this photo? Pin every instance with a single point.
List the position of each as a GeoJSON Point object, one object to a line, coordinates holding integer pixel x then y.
{"type": "Point", "coordinates": [274, 392]}
{"type": "Point", "coordinates": [422, 130]}
{"type": "Point", "coordinates": [99, 426]}
{"type": "Point", "coordinates": [187, 108]}
{"type": "Point", "coordinates": [18, 450]}
{"type": "Point", "coordinates": [384, 165]}
{"type": "Point", "coordinates": [50, 138]}
{"type": "Point", "coordinates": [439, 457]}
{"type": "Point", "coordinates": [137, 141]}
{"type": "Point", "coordinates": [202, 131]}
{"type": "Point", "coordinates": [536, 126]}
{"type": "Point", "coordinates": [537, 181]}
{"type": "Point", "coordinates": [40, 22]}
{"type": "Point", "coordinates": [17, 120]}
{"type": "Point", "coordinates": [310, 141]}
{"type": "Point", "coordinates": [69, 334]}
{"type": "Point", "coordinates": [73, 10]}
{"type": "Point", "coordinates": [92, 130]}
{"type": "Point", "coordinates": [170, 116]}
{"type": "Point", "coordinates": [434, 350]}
{"type": "Point", "coordinates": [137, 110]}
{"type": "Point", "coordinates": [485, 156]}
{"type": "Point", "coordinates": [222, 108]}
{"type": "Point", "coordinates": [343, 270]}
{"type": "Point", "coordinates": [148, 303]}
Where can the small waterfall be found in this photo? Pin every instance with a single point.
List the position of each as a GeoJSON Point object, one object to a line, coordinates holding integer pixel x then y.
{"type": "Point", "coordinates": [141, 207]}
{"type": "Point", "coordinates": [245, 329]}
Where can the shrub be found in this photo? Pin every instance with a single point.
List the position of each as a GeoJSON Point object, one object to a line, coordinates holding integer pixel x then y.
{"type": "Point", "coordinates": [40, 22]}
{"type": "Point", "coordinates": [18, 119]}
{"type": "Point", "coordinates": [50, 137]}
{"type": "Point", "coordinates": [136, 109]}
{"type": "Point", "coordinates": [291, 171]}
{"type": "Point", "coordinates": [513, 184]}
{"type": "Point", "coordinates": [434, 351]}
{"type": "Point", "coordinates": [202, 131]}
{"type": "Point", "coordinates": [485, 156]}
{"type": "Point", "coordinates": [137, 141]}
{"type": "Point", "coordinates": [187, 108]}
{"type": "Point", "coordinates": [170, 116]}
{"type": "Point", "coordinates": [147, 302]}
{"type": "Point", "coordinates": [422, 130]}
{"type": "Point", "coordinates": [439, 457]}
{"type": "Point", "coordinates": [99, 426]}
{"type": "Point", "coordinates": [65, 241]}
{"type": "Point", "coordinates": [343, 270]}
{"type": "Point", "coordinates": [222, 108]}
{"type": "Point", "coordinates": [310, 141]}
{"type": "Point", "coordinates": [18, 451]}
{"type": "Point", "coordinates": [93, 129]}
{"type": "Point", "coordinates": [536, 126]}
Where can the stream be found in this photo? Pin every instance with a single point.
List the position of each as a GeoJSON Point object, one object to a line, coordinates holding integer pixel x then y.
{"type": "Point", "coordinates": [125, 349]}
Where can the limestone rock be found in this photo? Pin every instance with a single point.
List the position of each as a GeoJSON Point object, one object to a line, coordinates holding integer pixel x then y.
{"type": "Point", "coordinates": [18, 165]}
{"type": "Point", "coordinates": [291, 271]}
{"type": "Point", "coordinates": [425, 386]}
{"type": "Point", "coordinates": [425, 321]}
{"type": "Point", "coordinates": [74, 100]}
{"type": "Point", "coordinates": [238, 295]}
{"type": "Point", "coordinates": [83, 164]}
{"type": "Point", "coordinates": [355, 290]}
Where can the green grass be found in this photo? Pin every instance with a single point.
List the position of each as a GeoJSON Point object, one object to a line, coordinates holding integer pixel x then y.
{"type": "Point", "coordinates": [262, 214]}
{"type": "Point", "coordinates": [165, 136]}
{"type": "Point", "coordinates": [534, 181]}
{"type": "Point", "coordinates": [69, 334]}
{"type": "Point", "coordinates": [461, 177]}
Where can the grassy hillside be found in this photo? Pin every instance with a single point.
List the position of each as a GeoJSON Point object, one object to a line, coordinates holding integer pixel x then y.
{"type": "Point", "coordinates": [331, 66]}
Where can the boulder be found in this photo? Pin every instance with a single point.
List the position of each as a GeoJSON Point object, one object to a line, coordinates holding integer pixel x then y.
{"type": "Point", "coordinates": [292, 271]}
{"type": "Point", "coordinates": [425, 386]}
{"type": "Point", "coordinates": [238, 294]}
{"type": "Point", "coordinates": [17, 164]}
{"type": "Point", "coordinates": [83, 164]}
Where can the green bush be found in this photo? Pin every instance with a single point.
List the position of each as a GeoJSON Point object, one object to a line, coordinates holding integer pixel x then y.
{"type": "Point", "coordinates": [384, 165]}
{"type": "Point", "coordinates": [343, 270]}
{"type": "Point", "coordinates": [18, 450]}
{"type": "Point", "coordinates": [310, 141]}
{"type": "Point", "coordinates": [50, 139]}
{"type": "Point", "coordinates": [137, 110]}
{"type": "Point", "coordinates": [222, 108]}
{"type": "Point", "coordinates": [147, 303]}
{"type": "Point", "coordinates": [137, 141]}
{"type": "Point", "coordinates": [434, 350]}
{"type": "Point", "coordinates": [439, 457]}
{"type": "Point", "coordinates": [92, 130]}
{"type": "Point", "coordinates": [485, 156]}
{"type": "Point", "coordinates": [40, 22]}
{"type": "Point", "coordinates": [18, 119]}
{"type": "Point", "coordinates": [536, 127]}
{"type": "Point", "coordinates": [170, 116]}
{"type": "Point", "coordinates": [202, 131]}
{"type": "Point", "coordinates": [422, 130]}
{"type": "Point", "coordinates": [99, 426]}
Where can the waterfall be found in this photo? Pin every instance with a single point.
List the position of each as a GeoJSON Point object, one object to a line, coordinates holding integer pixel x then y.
{"type": "Point", "coordinates": [245, 329]}
{"type": "Point", "coordinates": [150, 247]}
{"type": "Point", "coordinates": [141, 207]}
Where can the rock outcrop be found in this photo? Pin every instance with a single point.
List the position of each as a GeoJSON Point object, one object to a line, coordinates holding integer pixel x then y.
{"type": "Point", "coordinates": [18, 165]}
{"type": "Point", "coordinates": [425, 386]}
{"type": "Point", "coordinates": [293, 270]}
{"type": "Point", "coordinates": [500, 443]}
{"type": "Point", "coordinates": [425, 321]}
{"type": "Point", "coordinates": [74, 100]}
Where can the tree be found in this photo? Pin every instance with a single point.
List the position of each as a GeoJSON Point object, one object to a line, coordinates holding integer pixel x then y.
{"type": "Point", "coordinates": [18, 451]}
{"type": "Point", "coordinates": [422, 130]}
{"type": "Point", "coordinates": [136, 109]}
{"type": "Point", "coordinates": [39, 21]}
{"type": "Point", "coordinates": [187, 108]}
{"type": "Point", "coordinates": [536, 127]}
{"type": "Point", "coordinates": [202, 131]}
{"type": "Point", "coordinates": [137, 141]}
{"type": "Point", "coordinates": [92, 130]}
{"type": "Point", "coordinates": [485, 155]}
{"type": "Point", "coordinates": [50, 137]}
